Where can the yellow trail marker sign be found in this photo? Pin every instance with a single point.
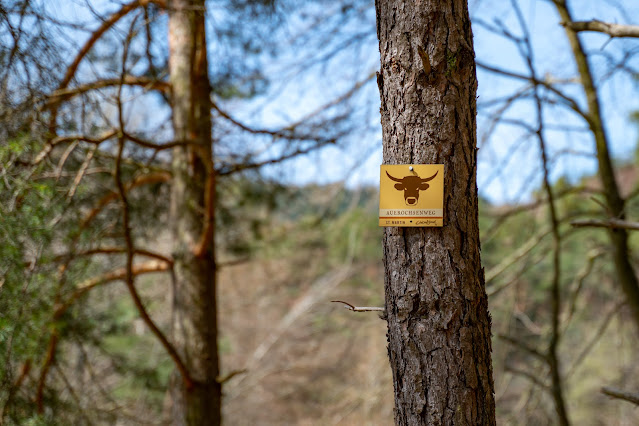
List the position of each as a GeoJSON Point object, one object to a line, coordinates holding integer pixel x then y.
{"type": "Point", "coordinates": [411, 195]}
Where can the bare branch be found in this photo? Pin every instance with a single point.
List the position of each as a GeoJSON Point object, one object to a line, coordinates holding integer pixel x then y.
{"type": "Point", "coordinates": [152, 145]}
{"type": "Point", "coordinates": [579, 281]}
{"type": "Point", "coordinates": [95, 36]}
{"type": "Point", "coordinates": [516, 255]}
{"type": "Point", "coordinates": [287, 133]}
{"type": "Point", "coordinates": [619, 394]}
{"type": "Point", "coordinates": [360, 308]}
{"type": "Point", "coordinates": [223, 379]}
{"type": "Point", "coordinates": [613, 30]}
{"type": "Point", "coordinates": [63, 159]}
{"type": "Point", "coordinates": [521, 345]}
{"type": "Point", "coordinates": [44, 371]}
{"type": "Point", "coordinates": [115, 275]}
{"type": "Point", "coordinates": [72, 138]}
{"type": "Point", "coordinates": [204, 242]}
{"type": "Point", "coordinates": [65, 94]}
{"type": "Point", "coordinates": [81, 172]}
{"type": "Point", "coordinates": [502, 216]}
{"type": "Point", "coordinates": [606, 223]}
{"type": "Point", "coordinates": [248, 166]}
{"type": "Point", "coordinates": [548, 85]}
{"type": "Point", "coordinates": [595, 338]}
{"type": "Point", "coordinates": [117, 250]}
{"type": "Point", "coordinates": [530, 376]}
{"type": "Point", "coordinates": [147, 179]}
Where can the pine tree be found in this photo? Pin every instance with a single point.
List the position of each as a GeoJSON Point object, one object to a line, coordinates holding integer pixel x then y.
{"type": "Point", "coordinates": [436, 304]}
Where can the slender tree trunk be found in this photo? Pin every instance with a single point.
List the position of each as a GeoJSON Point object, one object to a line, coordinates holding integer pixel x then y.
{"type": "Point", "coordinates": [194, 327]}
{"type": "Point", "coordinates": [438, 321]}
{"type": "Point", "coordinates": [615, 202]}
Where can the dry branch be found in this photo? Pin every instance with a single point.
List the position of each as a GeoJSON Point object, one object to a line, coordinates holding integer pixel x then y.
{"type": "Point", "coordinates": [606, 223]}
{"type": "Point", "coordinates": [147, 179]}
{"type": "Point", "coordinates": [546, 84]}
{"type": "Point", "coordinates": [65, 94]}
{"type": "Point", "coordinates": [223, 379]}
{"type": "Point", "coordinates": [71, 138]}
{"type": "Point", "coordinates": [521, 345]}
{"type": "Point", "coordinates": [80, 175]}
{"type": "Point", "coordinates": [249, 166]}
{"type": "Point", "coordinates": [530, 376]}
{"type": "Point", "coordinates": [613, 30]}
{"type": "Point", "coordinates": [95, 36]}
{"type": "Point", "coordinates": [44, 371]}
{"type": "Point", "coordinates": [515, 256]}
{"type": "Point", "coordinates": [360, 308]}
{"type": "Point", "coordinates": [117, 250]}
{"type": "Point", "coordinates": [619, 394]}
{"type": "Point", "coordinates": [115, 275]}
{"type": "Point", "coordinates": [287, 133]}
{"type": "Point", "coordinates": [595, 338]}
{"type": "Point", "coordinates": [202, 247]}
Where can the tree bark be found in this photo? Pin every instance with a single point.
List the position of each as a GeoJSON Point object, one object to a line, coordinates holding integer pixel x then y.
{"type": "Point", "coordinates": [194, 322]}
{"type": "Point", "coordinates": [437, 312]}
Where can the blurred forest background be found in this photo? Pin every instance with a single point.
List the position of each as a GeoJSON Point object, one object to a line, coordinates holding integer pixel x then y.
{"type": "Point", "coordinates": [86, 123]}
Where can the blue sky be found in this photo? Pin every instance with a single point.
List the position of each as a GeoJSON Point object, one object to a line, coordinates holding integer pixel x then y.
{"type": "Point", "coordinates": [508, 163]}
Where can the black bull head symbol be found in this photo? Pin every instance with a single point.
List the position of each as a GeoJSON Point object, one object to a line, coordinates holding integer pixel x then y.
{"type": "Point", "coordinates": [411, 185]}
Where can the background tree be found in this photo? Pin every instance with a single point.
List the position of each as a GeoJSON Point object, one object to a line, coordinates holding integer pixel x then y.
{"type": "Point", "coordinates": [99, 152]}
{"type": "Point", "coordinates": [295, 81]}
{"type": "Point", "coordinates": [565, 115]}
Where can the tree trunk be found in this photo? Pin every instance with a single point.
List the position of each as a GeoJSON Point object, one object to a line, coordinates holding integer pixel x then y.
{"type": "Point", "coordinates": [615, 202]}
{"type": "Point", "coordinates": [194, 322]}
{"type": "Point", "coordinates": [438, 321]}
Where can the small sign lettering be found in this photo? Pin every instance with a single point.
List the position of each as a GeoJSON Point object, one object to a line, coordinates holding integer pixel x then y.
{"type": "Point", "coordinates": [413, 193]}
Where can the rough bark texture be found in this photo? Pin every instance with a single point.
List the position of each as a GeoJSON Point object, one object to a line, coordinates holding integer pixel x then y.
{"type": "Point", "coordinates": [194, 305]}
{"type": "Point", "coordinates": [438, 321]}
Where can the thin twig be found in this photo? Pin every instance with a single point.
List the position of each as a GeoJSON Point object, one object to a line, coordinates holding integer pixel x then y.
{"type": "Point", "coordinates": [515, 256]}
{"type": "Point", "coordinates": [73, 394]}
{"type": "Point", "coordinates": [65, 94]}
{"type": "Point", "coordinates": [71, 138]}
{"type": "Point", "coordinates": [116, 250]}
{"type": "Point", "coordinates": [579, 281]}
{"type": "Point", "coordinates": [613, 30]}
{"type": "Point", "coordinates": [620, 394]}
{"type": "Point", "coordinates": [606, 223]}
{"type": "Point", "coordinates": [521, 345]}
{"type": "Point", "coordinates": [80, 175]}
{"type": "Point", "coordinates": [552, 356]}
{"type": "Point", "coordinates": [548, 85]}
{"type": "Point", "coordinates": [230, 169]}
{"type": "Point", "coordinates": [360, 308]}
{"type": "Point", "coordinates": [595, 338]}
{"type": "Point", "coordinates": [146, 179]}
{"type": "Point", "coordinates": [115, 275]}
{"type": "Point", "coordinates": [223, 379]}
{"type": "Point", "coordinates": [95, 36]}
{"type": "Point", "coordinates": [530, 376]}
